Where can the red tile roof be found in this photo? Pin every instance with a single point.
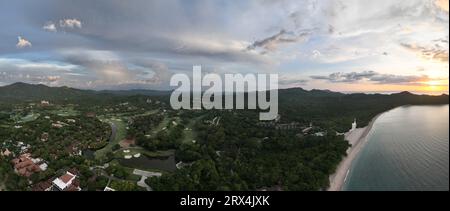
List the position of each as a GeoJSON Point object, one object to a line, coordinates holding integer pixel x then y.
{"type": "Point", "coordinates": [42, 186]}
{"type": "Point", "coordinates": [25, 166]}
{"type": "Point", "coordinates": [66, 178]}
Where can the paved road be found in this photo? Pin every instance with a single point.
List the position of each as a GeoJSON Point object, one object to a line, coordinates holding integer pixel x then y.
{"type": "Point", "coordinates": [141, 183]}
{"type": "Point", "coordinates": [144, 175]}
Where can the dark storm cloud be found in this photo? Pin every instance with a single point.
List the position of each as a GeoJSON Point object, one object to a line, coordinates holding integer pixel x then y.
{"type": "Point", "coordinates": [272, 42]}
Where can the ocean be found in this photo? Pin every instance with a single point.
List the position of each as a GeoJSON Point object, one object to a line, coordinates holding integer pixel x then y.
{"type": "Point", "coordinates": [406, 149]}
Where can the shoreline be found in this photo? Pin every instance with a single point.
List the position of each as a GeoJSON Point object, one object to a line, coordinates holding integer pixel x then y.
{"type": "Point", "coordinates": [357, 139]}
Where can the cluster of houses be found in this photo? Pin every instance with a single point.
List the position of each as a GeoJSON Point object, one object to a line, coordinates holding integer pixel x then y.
{"type": "Point", "coordinates": [279, 126]}
{"type": "Point", "coordinates": [25, 165]}
{"type": "Point", "coordinates": [59, 124]}
{"type": "Point", "coordinates": [10, 147]}
{"type": "Point", "coordinates": [305, 130]}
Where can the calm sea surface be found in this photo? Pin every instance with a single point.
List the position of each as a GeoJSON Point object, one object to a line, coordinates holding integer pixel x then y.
{"type": "Point", "coordinates": [407, 149]}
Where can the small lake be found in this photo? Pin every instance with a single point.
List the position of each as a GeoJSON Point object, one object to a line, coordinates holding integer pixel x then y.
{"type": "Point", "coordinates": [89, 154]}
{"type": "Point", "coordinates": [144, 162]}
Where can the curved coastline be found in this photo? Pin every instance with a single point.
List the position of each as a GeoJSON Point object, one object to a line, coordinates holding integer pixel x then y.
{"type": "Point", "coordinates": [357, 139]}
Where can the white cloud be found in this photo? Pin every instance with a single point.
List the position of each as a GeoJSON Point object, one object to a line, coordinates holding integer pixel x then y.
{"type": "Point", "coordinates": [50, 26]}
{"type": "Point", "coordinates": [45, 72]}
{"type": "Point", "coordinates": [442, 4]}
{"type": "Point", "coordinates": [316, 54]}
{"type": "Point", "coordinates": [53, 78]}
{"type": "Point", "coordinates": [22, 43]}
{"type": "Point", "coordinates": [70, 23]}
{"type": "Point", "coordinates": [255, 36]}
{"type": "Point", "coordinates": [376, 77]}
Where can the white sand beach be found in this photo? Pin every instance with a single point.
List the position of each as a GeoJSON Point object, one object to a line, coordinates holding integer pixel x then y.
{"type": "Point", "coordinates": [357, 139]}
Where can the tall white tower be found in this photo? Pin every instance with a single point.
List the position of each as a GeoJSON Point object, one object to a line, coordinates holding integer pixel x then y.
{"type": "Point", "coordinates": [353, 125]}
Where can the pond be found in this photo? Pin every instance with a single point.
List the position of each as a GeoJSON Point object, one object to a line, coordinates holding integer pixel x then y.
{"type": "Point", "coordinates": [144, 162]}
{"type": "Point", "coordinates": [89, 154]}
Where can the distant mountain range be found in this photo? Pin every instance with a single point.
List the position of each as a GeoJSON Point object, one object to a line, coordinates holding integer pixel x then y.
{"type": "Point", "coordinates": [28, 92]}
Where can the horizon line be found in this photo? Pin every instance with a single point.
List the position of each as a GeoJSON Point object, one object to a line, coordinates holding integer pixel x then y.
{"type": "Point", "coordinates": [434, 93]}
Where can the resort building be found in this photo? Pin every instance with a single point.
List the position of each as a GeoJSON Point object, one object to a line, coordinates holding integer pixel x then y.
{"type": "Point", "coordinates": [45, 103]}
{"type": "Point", "coordinates": [67, 182]}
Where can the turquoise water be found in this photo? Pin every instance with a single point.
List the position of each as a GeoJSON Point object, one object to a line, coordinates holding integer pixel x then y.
{"type": "Point", "coordinates": [407, 149]}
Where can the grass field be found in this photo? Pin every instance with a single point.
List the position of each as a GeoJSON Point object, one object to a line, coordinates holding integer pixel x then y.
{"type": "Point", "coordinates": [190, 134]}
{"type": "Point", "coordinates": [30, 117]}
{"type": "Point", "coordinates": [161, 125]}
{"type": "Point", "coordinates": [65, 111]}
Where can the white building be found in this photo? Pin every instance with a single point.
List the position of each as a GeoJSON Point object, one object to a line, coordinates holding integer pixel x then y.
{"type": "Point", "coordinates": [353, 125]}
{"type": "Point", "coordinates": [65, 181]}
{"type": "Point", "coordinates": [43, 166]}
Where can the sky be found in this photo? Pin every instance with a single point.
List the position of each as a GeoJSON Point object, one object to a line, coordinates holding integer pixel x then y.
{"type": "Point", "coordinates": [340, 45]}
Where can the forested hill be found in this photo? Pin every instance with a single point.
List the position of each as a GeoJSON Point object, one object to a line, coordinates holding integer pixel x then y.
{"type": "Point", "coordinates": [27, 92]}
{"type": "Point", "coordinates": [326, 108]}
{"type": "Point", "coordinates": [30, 92]}
{"type": "Point", "coordinates": [337, 110]}
{"type": "Point", "coordinates": [22, 92]}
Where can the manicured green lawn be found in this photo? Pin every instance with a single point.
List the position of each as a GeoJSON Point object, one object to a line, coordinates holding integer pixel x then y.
{"type": "Point", "coordinates": [190, 134]}
{"type": "Point", "coordinates": [65, 111]}
{"type": "Point", "coordinates": [30, 117]}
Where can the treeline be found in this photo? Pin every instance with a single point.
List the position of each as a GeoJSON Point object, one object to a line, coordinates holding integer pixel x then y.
{"type": "Point", "coordinates": [238, 155]}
